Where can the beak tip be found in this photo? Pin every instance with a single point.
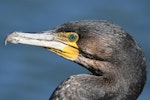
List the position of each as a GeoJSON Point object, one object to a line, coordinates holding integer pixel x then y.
{"type": "Point", "coordinates": [11, 38]}
{"type": "Point", "coordinates": [5, 43]}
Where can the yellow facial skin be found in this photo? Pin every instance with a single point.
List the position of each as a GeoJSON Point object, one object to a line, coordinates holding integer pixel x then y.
{"type": "Point", "coordinates": [71, 50]}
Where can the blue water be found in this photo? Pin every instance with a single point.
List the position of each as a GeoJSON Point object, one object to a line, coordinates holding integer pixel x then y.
{"type": "Point", "coordinates": [32, 73]}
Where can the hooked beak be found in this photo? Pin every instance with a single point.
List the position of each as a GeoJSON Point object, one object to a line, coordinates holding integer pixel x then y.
{"type": "Point", "coordinates": [48, 40]}
{"type": "Point", "coordinates": [44, 39]}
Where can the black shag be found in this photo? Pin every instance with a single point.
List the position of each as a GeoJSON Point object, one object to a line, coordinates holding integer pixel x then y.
{"type": "Point", "coordinates": [116, 61]}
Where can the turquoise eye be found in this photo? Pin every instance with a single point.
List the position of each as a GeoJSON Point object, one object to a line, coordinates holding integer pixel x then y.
{"type": "Point", "coordinates": [73, 37]}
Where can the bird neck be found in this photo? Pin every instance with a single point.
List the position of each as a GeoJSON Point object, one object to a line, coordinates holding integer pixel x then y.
{"type": "Point", "coordinates": [120, 78]}
{"type": "Point", "coordinates": [107, 76]}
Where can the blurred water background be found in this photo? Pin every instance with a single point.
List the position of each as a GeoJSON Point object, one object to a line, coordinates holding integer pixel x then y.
{"type": "Point", "coordinates": [32, 73]}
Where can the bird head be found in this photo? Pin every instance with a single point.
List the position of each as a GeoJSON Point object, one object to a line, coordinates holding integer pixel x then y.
{"type": "Point", "coordinates": [96, 45]}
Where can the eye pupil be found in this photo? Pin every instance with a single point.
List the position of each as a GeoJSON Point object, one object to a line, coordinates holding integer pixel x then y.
{"type": "Point", "coordinates": [72, 37]}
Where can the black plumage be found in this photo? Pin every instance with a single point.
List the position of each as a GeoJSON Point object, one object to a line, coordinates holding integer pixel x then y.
{"type": "Point", "coordinates": [112, 55]}
{"type": "Point", "coordinates": [115, 59]}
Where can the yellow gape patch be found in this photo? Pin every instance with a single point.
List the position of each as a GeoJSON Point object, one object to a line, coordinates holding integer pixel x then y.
{"type": "Point", "coordinates": [70, 49]}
